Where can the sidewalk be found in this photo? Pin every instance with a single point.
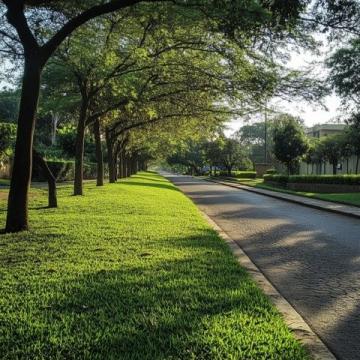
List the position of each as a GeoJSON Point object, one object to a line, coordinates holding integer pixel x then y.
{"type": "Point", "coordinates": [341, 209]}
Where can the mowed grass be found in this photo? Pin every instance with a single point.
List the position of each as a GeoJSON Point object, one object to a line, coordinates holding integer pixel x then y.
{"type": "Point", "coordinates": [344, 198]}
{"type": "Point", "coordinates": [130, 271]}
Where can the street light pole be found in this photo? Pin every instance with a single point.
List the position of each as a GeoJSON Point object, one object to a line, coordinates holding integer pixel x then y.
{"type": "Point", "coordinates": [265, 157]}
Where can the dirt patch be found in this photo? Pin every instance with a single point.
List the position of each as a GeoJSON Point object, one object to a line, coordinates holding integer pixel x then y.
{"type": "Point", "coordinates": [4, 195]}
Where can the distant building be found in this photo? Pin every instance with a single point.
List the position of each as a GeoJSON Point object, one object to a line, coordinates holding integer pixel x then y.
{"type": "Point", "coordinates": [345, 166]}
{"type": "Point", "coordinates": [321, 130]}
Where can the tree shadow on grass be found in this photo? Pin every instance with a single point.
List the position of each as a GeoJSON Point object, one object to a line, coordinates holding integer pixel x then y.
{"type": "Point", "coordinates": [199, 304]}
{"type": "Point", "coordinates": [166, 185]}
{"type": "Point", "coordinates": [158, 180]}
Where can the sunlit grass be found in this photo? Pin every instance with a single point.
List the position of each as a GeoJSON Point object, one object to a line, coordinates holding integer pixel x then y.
{"type": "Point", "coordinates": [130, 271]}
{"type": "Point", "coordinates": [345, 198]}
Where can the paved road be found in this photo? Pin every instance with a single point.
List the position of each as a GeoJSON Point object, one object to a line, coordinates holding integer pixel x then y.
{"type": "Point", "coordinates": [311, 256]}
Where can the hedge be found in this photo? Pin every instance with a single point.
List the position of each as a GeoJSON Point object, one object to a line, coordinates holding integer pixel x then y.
{"type": "Point", "coordinates": [271, 172]}
{"type": "Point", "coordinates": [240, 174]}
{"type": "Point", "coordinates": [314, 179]}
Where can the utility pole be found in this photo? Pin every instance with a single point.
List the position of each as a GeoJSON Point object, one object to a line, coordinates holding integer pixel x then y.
{"type": "Point", "coordinates": [265, 118]}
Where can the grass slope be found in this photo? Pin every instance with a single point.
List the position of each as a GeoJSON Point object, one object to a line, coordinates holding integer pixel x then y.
{"type": "Point", "coordinates": [343, 198]}
{"type": "Point", "coordinates": [130, 271]}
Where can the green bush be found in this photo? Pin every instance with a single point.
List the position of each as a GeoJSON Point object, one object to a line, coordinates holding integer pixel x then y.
{"type": "Point", "coordinates": [282, 180]}
{"type": "Point", "coordinates": [239, 174]}
{"type": "Point", "coordinates": [271, 172]}
{"type": "Point", "coordinates": [314, 179]}
{"type": "Point", "coordinates": [245, 174]}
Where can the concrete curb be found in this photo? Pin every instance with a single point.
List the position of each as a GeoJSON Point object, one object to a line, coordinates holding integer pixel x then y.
{"type": "Point", "coordinates": [293, 319]}
{"type": "Point", "coordinates": [294, 198]}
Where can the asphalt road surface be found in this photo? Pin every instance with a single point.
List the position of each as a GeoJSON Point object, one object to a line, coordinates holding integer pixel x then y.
{"type": "Point", "coordinates": [311, 256]}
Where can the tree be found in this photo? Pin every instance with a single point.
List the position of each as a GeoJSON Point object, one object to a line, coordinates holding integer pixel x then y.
{"type": "Point", "coordinates": [37, 46]}
{"type": "Point", "coordinates": [252, 136]}
{"type": "Point", "coordinates": [344, 73]}
{"type": "Point", "coordinates": [231, 155]}
{"type": "Point", "coordinates": [353, 137]}
{"type": "Point", "coordinates": [331, 147]}
{"type": "Point", "coordinates": [290, 143]}
{"type": "Point", "coordinates": [36, 56]}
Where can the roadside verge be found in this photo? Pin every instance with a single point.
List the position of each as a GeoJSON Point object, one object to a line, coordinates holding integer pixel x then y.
{"type": "Point", "coordinates": [346, 210]}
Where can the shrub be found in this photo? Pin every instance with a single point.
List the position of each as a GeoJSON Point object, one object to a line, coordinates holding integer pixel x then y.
{"type": "Point", "coordinates": [314, 179]}
{"type": "Point", "coordinates": [245, 174]}
{"type": "Point", "coordinates": [239, 174]}
{"type": "Point", "coordinates": [271, 172]}
{"type": "Point", "coordinates": [282, 180]}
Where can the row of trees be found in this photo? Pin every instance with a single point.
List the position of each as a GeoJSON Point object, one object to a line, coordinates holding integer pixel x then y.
{"type": "Point", "coordinates": [287, 144]}
{"type": "Point", "coordinates": [220, 153]}
{"type": "Point", "coordinates": [121, 69]}
{"type": "Point", "coordinates": [134, 66]}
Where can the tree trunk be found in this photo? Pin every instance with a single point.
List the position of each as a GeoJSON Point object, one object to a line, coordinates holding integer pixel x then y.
{"type": "Point", "coordinates": [334, 168]}
{"type": "Point", "coordinates": [79, 149]}
{"type": "Point", "coordinates": [110, 151]}
{"type": "Point", "coordinates": [17, 214]}
{"type": "Point", "coordinates": [42, 164]}
{"type": "Point", "coordinates": [123, 164]}
{"type": "Point", "coordinates": [54, 123]}
{"type": "Point", "coordinates": [99, 155]}
{"type": "Point", "coordinates": [357, 164]}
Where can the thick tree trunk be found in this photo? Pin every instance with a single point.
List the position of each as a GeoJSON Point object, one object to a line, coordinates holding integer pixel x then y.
{"type": "Point", "coordinates": [79, 149]}
{"type": "Point", "coordinates": [99, 155]}
{"type": "Point", "coordinates": [123, 163]}
{"type": "Point", "coordinates": [334, 169]}
{"type": "Point", "coordinates": [128, 166]}
{"type": "Point", "coordinates": [42, 164]}
{"type": "Point", "coordinates": [357, 164]}
{"type": "Point", "coordinates": [110, 151]}
{"type": "Point", "coordinates": [17, 214]}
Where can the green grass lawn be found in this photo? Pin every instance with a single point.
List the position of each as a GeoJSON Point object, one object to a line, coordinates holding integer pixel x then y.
{"type": "Point", "coordinates": [129, 271]}
{"type": "Point", "coordinates": [344, 198]}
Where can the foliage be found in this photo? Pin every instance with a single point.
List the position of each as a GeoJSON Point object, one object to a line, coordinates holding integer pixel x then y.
{"type": "Point", "coordinates": [252, 136]}
{"type": "Point", "coordinates": [66, 142]}
{"type": "Point", "coordinates": [61, 169]}
{"type": "Point", "coordinates": [9, 105]}
{"type": "Point", "coordinates": [240, 174]}
{"type": "Point", "coordinates": [7, 138]}
{"type": "Point", "coordinates": [290, 143]}
{"type": "Point", "coordinates": [232, 154]}
{"type": "Point", "coordinates": [332, 149]}
{"type": "Point", "coordinates": [145, 268]}
{"type": "Point", "coordinates": [344, 72]}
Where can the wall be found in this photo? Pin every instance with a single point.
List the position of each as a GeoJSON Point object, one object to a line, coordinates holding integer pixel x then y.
{"type": "Point", "coordinates": [347, 167]}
